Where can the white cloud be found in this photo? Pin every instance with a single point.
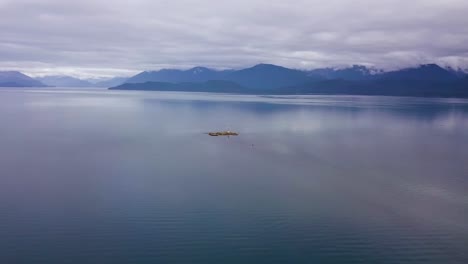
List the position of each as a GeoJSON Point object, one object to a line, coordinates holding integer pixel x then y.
{"type": "Point", "coordinates": [98, 37]}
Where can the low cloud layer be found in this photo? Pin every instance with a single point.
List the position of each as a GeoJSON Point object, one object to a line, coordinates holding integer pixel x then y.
{"type": "Point", "coordinates": [121, 37]}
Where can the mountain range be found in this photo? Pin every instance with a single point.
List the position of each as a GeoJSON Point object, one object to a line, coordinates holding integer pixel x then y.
{"type": "Point", "coordinates": [355, 72]}
{"type": "Point", "coordinates": [424, 80]}
{"type": "Point", "coordinates": [428, 80]}
{"type": "Point", "coordinates": [63, 81]}
{"type": "Point", "coordinates": [18, 79]}
{"type": "Point", "coordinates": [109, 82]}
{"type": "Point", "coordinates": [261, 76]}
{"type": "Point", "coordinates": [68, 81]}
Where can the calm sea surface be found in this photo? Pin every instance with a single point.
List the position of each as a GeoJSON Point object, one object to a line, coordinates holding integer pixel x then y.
{"type": "Point", "coordinates": [97, 176]}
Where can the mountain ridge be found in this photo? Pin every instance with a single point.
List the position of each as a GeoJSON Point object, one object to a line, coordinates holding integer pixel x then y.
{"type": "Point", "coordinates": [18, 79]}
{"type": "Point", "coordinates": [63, 81]}
{"type": "Point", "coordinates": [422, 80]}
{"type": "Point", "coordinates": [261, 75]}
{"type": "Point", "coordinates": [429, 80]}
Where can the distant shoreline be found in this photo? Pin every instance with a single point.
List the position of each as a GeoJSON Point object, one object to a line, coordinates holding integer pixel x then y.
{"type": "Point", "coordinates": [400, 88]}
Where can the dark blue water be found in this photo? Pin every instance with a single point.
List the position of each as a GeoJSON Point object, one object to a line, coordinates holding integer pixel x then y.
{"type": "Point", "coordinates": [94, 176]}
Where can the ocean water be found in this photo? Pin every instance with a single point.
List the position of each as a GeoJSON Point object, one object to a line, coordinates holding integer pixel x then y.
{"type": "Point", "coordinates": [97, 176]}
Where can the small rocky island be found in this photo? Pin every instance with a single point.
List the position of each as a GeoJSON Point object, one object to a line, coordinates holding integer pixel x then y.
{"type": "Point", "coordinates": [223, 133]}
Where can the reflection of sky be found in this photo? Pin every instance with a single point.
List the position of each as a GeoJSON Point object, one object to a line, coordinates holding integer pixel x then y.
{"type": "Point", "coordinates": [385, 167]}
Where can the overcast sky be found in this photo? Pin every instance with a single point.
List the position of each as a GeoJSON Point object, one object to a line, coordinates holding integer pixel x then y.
{"type": "Point", "coordinates": [122, 37]}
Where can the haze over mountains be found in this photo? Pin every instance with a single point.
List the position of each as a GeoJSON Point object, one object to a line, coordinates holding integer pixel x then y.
{"type": "Point", "coordinates": [63, 81]}
{"type": "Point", "coordinates": [424, 80]}
{"type": "Point", "coordinates": [68, 81]}
{"type": "Point", "coordinates": [18, 79]}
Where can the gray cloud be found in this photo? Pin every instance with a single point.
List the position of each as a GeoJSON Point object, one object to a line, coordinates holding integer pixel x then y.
{"type": "Point", "coordinates": [121, 37]}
